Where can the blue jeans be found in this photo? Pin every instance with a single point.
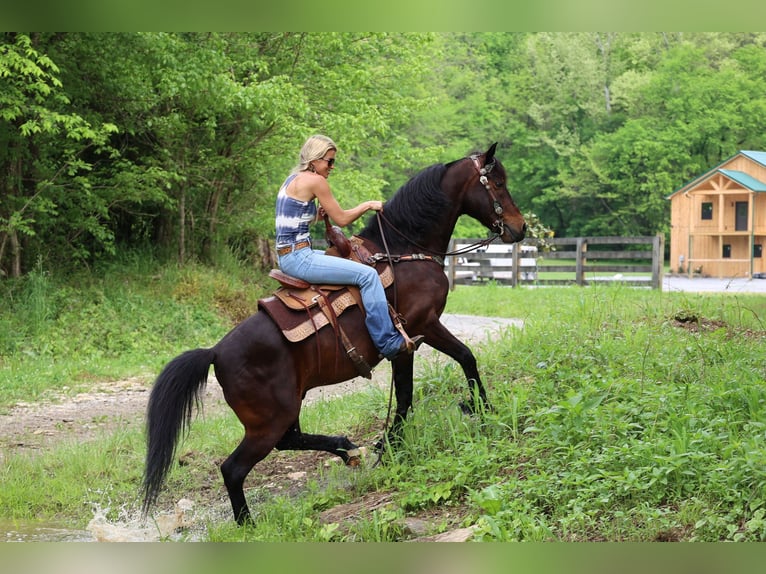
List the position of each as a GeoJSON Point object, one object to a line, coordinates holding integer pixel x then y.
{"type": "Point", "coordinates": [316, 267]}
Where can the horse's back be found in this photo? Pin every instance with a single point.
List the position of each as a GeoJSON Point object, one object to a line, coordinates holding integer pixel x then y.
{"type": "Point", "coordinates": [255, 343]}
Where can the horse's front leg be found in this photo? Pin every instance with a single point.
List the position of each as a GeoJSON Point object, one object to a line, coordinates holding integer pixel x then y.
{"type": "Point", "coordinates": [441, 339]}
{"type": "Point", "coordinates": [403, 375]}
{"type": "Point", "coordinates": [295, 439]}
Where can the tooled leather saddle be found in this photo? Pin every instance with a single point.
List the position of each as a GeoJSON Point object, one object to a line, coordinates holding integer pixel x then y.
{"type": "Point", "coordinates": [301, 309]}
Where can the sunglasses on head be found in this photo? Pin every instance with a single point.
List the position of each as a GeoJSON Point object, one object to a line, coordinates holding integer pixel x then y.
{"type": "Point", "coordinates": [330, 162]}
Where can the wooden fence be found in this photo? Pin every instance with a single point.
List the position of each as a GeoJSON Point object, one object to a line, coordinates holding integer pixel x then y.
{"type": "Point", "coordinates": [634, 261]}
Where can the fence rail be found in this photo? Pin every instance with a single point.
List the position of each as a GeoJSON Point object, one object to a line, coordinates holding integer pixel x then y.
{"type": "Point", "coordinates": [634, 261]}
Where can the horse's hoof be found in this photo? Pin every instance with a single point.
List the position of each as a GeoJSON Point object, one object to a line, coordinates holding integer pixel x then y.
{"type": "Point", "coordinates": [467, 408]}
{"type": "Point", "coordinates": [355, 457]}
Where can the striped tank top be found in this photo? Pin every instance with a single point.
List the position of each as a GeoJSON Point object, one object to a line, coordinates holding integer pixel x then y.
{"type": "Point", "coordinates": [293, 217]}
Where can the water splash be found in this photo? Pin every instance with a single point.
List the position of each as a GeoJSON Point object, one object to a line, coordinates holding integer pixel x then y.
{"type": "Point", "coordinates": [131, 528]}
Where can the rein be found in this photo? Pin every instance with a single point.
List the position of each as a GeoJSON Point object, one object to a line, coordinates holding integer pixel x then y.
{"type": "Point", "coordinates": [431, 255]}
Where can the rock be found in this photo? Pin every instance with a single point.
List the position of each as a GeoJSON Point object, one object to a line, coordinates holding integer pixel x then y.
{"type": "Point", "coordinates": [458, 535]}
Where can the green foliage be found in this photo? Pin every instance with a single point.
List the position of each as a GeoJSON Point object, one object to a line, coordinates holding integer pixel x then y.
{"type": "Point", "coordinates": [113, 324]}
{"type": "Point", "coordinates": [77, 480]}
{"type": "Point", "coordinates": [179, 141]}
{"type": "Point", "coordinates": [47, 155]}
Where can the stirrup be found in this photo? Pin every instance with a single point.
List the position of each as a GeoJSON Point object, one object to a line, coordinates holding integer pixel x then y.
{"type": "Point", "coordinates": [399, 323]}
{"type": "Point", "coordinates": [414, 343]}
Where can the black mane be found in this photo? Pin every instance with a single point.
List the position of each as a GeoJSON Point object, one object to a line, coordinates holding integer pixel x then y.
{"type": "Point", "coordinates": [415, 209]}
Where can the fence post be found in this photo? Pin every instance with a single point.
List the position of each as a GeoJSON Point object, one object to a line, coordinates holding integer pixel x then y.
{"type": "Point", "coordinates": [582, 249]}
{"type": "Point", "coordinates": [451, 260]}
{"type": "Point", "coordinates": [658, 260]}
{"type": "Point", "coordinates": [515, 255]}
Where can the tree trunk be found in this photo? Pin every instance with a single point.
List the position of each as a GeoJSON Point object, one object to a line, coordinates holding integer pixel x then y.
{"type": "Point", "coordinates": [182, 226]}
{"type": "Point", "coordinates": [212, 217]}
{"type": "Point", "coordinates": [3, 243]}
{"type": "Point", "coordinates": [266, 254]}
{"type": "Point", "coordinates": [15, 254]}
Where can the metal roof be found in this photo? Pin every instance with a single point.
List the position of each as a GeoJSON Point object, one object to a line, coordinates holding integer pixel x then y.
{"type": "Point", "coordinates": [759, 156]}
{"type": "Point", "coordinates": [744, 179]}
{"type": "Point", "coordinates": [756, 156]}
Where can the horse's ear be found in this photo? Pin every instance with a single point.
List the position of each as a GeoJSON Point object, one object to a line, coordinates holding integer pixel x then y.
{"type": "Point", "coordinates": [490, 155]}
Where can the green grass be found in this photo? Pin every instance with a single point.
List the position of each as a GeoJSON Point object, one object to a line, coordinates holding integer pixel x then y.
{"type": "Point", "coordinates": [612, 420]}
{"type": "Point", "coordinates": [60, 335]}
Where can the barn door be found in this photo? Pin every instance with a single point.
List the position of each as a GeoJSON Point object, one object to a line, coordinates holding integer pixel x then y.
{"type": "Point", "coordinates": [740, 215]}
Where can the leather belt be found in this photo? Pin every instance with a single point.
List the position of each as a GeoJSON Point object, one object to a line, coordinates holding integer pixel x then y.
{"type": "Point", "coordinates": [294, 247]}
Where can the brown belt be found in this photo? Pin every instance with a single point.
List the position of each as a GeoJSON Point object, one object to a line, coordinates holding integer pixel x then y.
{"type": "Point", "coordinates": [295, 247]}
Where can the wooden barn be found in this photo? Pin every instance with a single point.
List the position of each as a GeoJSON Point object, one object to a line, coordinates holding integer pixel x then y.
{"type": "Point", "coordinates": [718, 220]}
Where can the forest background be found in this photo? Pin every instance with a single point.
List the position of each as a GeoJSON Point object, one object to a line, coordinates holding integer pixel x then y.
{"type": "Point", "coordinates": [174, 144]}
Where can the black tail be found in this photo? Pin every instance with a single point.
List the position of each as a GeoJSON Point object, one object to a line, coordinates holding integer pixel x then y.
{"type": "Point", "coordinates": [176, 391]}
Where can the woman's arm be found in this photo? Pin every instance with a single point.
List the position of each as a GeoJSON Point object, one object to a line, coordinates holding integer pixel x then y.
{"type": "Point", "coordinates": [340, 216]}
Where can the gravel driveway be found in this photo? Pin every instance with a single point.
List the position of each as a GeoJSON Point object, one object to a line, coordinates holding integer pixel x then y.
{"type": "Point", "coordinates": [713, 285]}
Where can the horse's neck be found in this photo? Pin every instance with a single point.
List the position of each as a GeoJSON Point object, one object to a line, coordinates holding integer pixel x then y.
{"type": "Point", "coordinates": [435, 239]}
{"type": "Point", "coordinates": [436, 242]}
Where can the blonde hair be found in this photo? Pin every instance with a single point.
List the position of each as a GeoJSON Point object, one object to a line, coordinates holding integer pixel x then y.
{"type": "Point", "coordinates": [315, 148]}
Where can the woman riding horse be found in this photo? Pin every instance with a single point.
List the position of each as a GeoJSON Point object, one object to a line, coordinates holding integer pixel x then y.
{"type": "Point", "coordinates": [265, 377]}
{"type": "Point", "coordinates": [296, 210]}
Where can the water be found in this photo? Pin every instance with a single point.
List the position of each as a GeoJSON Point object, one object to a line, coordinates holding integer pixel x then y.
{"type": "Point", "coordinates": [34, 531]}
{"type": "Point", "coordinates": [126, 529]}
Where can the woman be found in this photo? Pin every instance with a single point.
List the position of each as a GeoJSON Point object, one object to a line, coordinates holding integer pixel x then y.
{"type": "Point", "coordinates": [297, 210]}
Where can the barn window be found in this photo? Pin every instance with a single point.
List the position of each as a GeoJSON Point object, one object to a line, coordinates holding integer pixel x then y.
{"type": "Point", "coordinates": [726, 251]}
{"type": "Point", "coordinates": [757, 250]}
{"type": "Point", "coordinates": [707, 210]}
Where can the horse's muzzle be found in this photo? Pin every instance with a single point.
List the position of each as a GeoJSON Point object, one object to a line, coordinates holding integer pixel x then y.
{"type": "Point", "coordinates": [511, 236]}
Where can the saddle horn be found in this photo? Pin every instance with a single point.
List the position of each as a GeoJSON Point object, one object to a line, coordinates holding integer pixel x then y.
{"type": "Point", "coordinates": [335, 238]}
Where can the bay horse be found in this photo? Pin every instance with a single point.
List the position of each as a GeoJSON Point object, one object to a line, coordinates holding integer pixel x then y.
{"type": "Point", "coordinates": [265, 378]}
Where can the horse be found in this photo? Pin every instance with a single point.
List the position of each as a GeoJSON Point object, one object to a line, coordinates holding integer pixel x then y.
{"type": "Point", "coordinates": [264, 377]}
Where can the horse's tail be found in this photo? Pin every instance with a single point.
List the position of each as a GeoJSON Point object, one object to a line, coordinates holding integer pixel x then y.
{"type": "Point", "coordinates": [169, 412]}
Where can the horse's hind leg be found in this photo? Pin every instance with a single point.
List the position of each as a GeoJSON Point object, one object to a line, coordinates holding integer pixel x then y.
{"type": "Point", "coordinates": [235, 469]}
{"type": "Point", "coordinates": [295, 439]}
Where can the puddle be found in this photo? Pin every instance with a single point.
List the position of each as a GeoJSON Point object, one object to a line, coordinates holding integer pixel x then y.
{"type": "Point", "coordinates": [33, 531]}
{"type": "Point", "coordinates": [168, 526]}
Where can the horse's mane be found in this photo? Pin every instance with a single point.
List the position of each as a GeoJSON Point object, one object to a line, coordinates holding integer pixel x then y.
{"type": "Point", "coordinates": [415, 208]}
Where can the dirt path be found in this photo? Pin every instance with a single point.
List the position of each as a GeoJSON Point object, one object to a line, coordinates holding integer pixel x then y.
{"type": "Point", "coordinates": [85, 416]}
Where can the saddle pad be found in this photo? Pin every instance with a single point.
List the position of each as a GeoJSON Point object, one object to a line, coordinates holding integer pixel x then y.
{"type": "Point", "coordinates": [298, 325]}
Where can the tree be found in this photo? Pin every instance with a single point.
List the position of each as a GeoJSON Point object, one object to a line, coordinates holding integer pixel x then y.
{"type": "Point", "coordinates": [687, 116]}
{"type": "Point", "coordinates": [44, 150]}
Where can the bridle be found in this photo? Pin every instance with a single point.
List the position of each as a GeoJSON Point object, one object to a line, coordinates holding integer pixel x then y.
{"type": "Point", "coordinates": [483, 171]}
{"type": "Point", "coordinates": [498, 223]}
